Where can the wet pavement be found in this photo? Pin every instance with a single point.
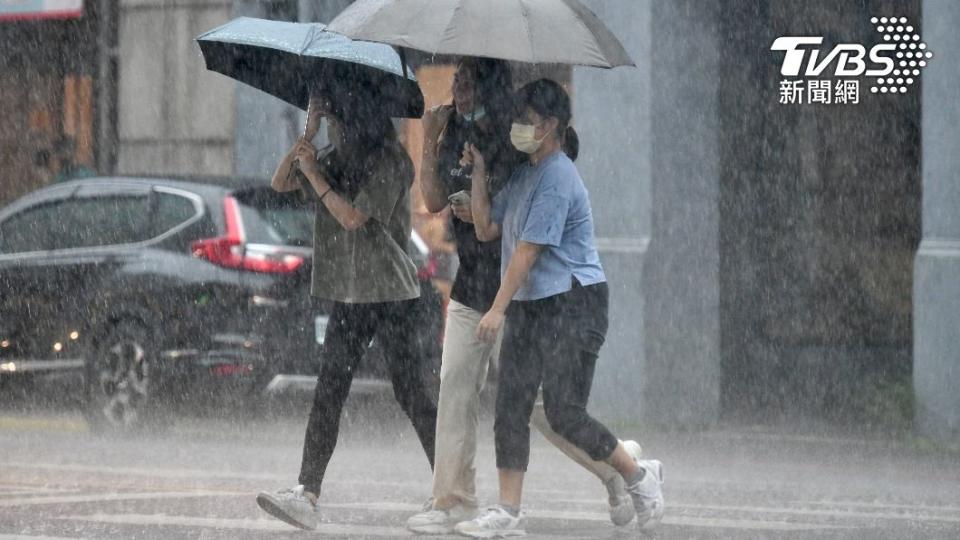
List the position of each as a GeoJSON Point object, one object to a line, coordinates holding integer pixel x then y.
{"type": "Point", "coordinates": [198, 479]}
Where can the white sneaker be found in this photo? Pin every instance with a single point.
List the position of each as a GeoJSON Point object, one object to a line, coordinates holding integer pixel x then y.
{"type": "Point", "coordinates": [290, 505]}
{"type": "Point", "coordinates": [622, 511]}
{"type": "Point", "coordinates": [434, 521]}
{"type": "Point", "coordinates": [493, 522]}
{"type": "Point", "coordinates": [647, 494]}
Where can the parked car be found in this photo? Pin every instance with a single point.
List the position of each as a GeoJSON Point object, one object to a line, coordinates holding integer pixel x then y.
{"type": "Point", "coordinates": [168, 292]}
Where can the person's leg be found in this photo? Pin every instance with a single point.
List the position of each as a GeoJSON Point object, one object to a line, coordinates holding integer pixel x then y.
{"type": "Point", "coordinates": [521, 362]}
{"type": "Point", "coordinates": [347, 333]}
{"type": "Point", "coordinates": [349, 329]}
{"type": "Point", "coordinates": [601, 469]}
{"type": "Point", "coordinates": [463, 372]}
{"type": "Point", "coordinates": [619, 502]}
{"type": "Point", "coordinates": [518, 380]}
{"type": "Point", "coordinates": [579, 327]}
{"type": "Point", "coordinates": [396, 327]}
{"type": "Point", "coordinates": [567, 378]}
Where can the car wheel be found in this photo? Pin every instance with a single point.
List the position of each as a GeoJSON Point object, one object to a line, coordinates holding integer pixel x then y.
{"type": "Point", "coordinates": [120, 381]}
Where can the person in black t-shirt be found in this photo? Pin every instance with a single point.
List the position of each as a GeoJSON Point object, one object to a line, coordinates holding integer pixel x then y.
{"type": "Point", "coordinates": [481, 114]}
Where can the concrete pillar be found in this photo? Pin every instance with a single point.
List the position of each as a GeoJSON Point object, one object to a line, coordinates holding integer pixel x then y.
{"type": "Point", "coordinates": [612, 116]}
{"type": "Point", "coordinates": [681, 270]}
{"type": "Point", "coordinates": [936, 300]}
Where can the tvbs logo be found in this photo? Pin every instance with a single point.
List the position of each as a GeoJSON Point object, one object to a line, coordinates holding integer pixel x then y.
{"type": "Point", "coordinates": [849, 59]}
{"type": "Point", "coordinates": [891, 66]}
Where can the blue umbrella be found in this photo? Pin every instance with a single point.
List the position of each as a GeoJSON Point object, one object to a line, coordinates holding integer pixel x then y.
{"type": "Point", "coordinates": [287, 60]}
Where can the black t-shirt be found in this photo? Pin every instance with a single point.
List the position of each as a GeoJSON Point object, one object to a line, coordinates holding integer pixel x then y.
{"type": "Point", "coordinates": [478, 277]}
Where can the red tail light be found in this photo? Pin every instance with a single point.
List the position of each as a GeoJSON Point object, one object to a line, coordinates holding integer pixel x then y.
{"type": "Point", "coordinates": [228, 370]}
{"type": "Point", "coordinates": [232, 251]}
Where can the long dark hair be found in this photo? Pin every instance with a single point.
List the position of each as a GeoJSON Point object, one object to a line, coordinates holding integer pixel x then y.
{"type": "Point", "coordinates": [548, 99]}
{"type": "Point", "coordinates": [493, 88]}
{"type": "Point", "coordinates": [493, 84]}
{"type": "Point", "coordinates": [368, 135]}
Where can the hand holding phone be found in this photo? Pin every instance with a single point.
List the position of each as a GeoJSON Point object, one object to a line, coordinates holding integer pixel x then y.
{"type": "Point", "coordinates": [460, 198]}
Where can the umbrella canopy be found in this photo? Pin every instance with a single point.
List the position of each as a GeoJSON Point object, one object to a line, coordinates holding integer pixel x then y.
{"type": "Point", "coordinates": [286, 59]}
{"type": "Point", "coordinates": [536, 31]}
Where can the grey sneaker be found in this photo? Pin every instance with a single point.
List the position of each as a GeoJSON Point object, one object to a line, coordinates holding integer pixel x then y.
{"type": "Point", "coordinates": [647, 494]}
{"type": "Point", "coordinates": [493, 522]}
{"type": "Point", "coordinates": [290, 505]}
{"type": "Point", "coordinates": [621, 505]}
{"type": "Point", "coordinates": [622, 511]}
{"type": "Point", "coordinates": [434, 521]}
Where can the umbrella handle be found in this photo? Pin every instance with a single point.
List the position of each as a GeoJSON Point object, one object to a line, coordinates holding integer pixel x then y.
{"type": "Point", "coordinates": [313, 120]}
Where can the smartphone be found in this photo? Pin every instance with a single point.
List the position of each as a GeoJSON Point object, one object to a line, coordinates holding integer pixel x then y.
{"type": "Point", "coordinates": [460, 197]}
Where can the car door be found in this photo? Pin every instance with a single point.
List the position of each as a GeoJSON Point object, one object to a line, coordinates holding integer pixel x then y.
{"type": "Point", "coordinates": [103, 226]}
{"type": "Point", "coordinates": [56, 290]}
{"type": "Point", "coordinates": [30, 299]}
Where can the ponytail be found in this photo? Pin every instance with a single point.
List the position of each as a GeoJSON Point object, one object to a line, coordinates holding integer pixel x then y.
{"type": "Point", "coordinates": [571, 143]}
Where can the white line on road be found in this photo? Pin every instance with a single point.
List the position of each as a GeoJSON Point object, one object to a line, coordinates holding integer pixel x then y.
{"type": "Point", "coordinates": [846, 514]}
{"type": "Point", "coordinates": [107, 497]}
{"type": "Point", "coordinates": [354, 530]}
{"type": "Point", "coordinates": [879, 505]}
{"type": "Point", "coordinates": [241, 524]}
{"type": "Point", "coordinates": [913, 513]}
{"type": "Point", "coordinates": [715, 523]}
{"type": "Point", "coordinates": [29, 537]}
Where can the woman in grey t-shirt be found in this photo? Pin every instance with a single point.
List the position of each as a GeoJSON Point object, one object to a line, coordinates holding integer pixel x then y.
{"type": "Point", "coordinates": [362, 192]}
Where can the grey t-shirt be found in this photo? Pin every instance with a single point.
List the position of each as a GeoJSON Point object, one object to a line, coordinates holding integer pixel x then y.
{"type": "Point", "coordinates": [369, 264]}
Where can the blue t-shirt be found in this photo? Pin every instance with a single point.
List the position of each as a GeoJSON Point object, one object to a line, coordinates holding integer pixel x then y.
{"type": "Point", "coordinates": [548, 205]}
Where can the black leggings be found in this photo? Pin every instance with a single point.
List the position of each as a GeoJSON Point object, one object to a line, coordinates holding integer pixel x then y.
{"type": "Point", "coordinates": [349, 331]}
{"type": "Point", "coordinates": [554, 342]}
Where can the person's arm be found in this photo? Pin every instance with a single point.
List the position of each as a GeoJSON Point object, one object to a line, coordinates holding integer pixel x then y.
{"type": "Point", "coordinates": [518, 269]}
{"type": "Point", "coordinates": [434, 192]}
{"type": "Point", "coordinates": [483, 224]}
{"type": "Point", "coordinates": [349, 217]}
{"type": "Point", "coordinates": [283, 178]}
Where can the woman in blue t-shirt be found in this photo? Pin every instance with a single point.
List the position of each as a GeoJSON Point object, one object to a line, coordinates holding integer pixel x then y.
{"type": "Point", "coordinates": [553, 297]}
{"type": "Point", "coordinates": [481, 113]}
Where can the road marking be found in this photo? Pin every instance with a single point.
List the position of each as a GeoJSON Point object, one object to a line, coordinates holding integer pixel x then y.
{"type": "Point", "coordinates": [107, 497]}
{"type": "Point", "coordinates": [917, 513]}
{"type": "Point", "coordinates": [845, 514]}
{"type": "Point", "coordinates": [23, 423]}
{"type": "Point", "coordinates": [139, 471]}
{"type": "Point", "coordinates": [23, 536]}
{"type": "Point", "coordinates": [716, 523]}
{"type": "Point", "coordinates": [355, 530]}
{"type": "Point", "coordinates": [241, 524]}
{"type": "Point", "coordinates": [884, 506]}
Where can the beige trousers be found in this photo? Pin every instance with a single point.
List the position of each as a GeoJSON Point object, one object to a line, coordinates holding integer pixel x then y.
{"type": "Point", "coordinates": [463, 372]}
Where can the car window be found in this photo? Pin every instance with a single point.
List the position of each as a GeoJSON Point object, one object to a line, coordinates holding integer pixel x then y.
{"type": "Point", "coordinates": [275, 218]}
{"type": "Point", "coordinates": [77, 223]}
{"type": "Point", "coordinates": [28, 230]}
{"type": "Point", "coordinates": [170, 211]}
{"type": "Point", "coordinates": [103, 221]}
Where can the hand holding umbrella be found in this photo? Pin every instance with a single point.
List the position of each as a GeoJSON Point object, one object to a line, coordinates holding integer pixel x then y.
{"type": "Point", "coordinates": [435, 120]}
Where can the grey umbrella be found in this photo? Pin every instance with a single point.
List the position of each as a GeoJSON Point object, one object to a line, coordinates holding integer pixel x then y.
{"type": "Point", "coordinates": [536, 31]}
{"type": "Point", "coordinates": [286, 59]}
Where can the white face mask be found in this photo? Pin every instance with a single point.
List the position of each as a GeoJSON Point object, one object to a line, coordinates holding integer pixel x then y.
{"type": "Point", "coordinates": [524, 137]}
{"type": "Point", "coordinates": [476, 114]}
